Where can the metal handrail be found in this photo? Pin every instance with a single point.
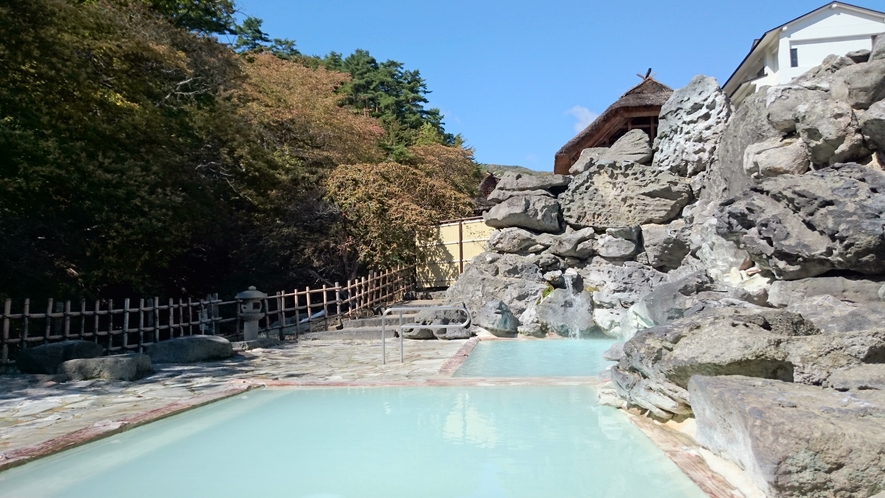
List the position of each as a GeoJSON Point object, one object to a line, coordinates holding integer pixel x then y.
{"type": "Point", "coordinates": [400, 309]}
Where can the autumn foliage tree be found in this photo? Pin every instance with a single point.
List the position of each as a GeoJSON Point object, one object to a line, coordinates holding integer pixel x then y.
{"type": "Point", "coordinates": [139, 155]}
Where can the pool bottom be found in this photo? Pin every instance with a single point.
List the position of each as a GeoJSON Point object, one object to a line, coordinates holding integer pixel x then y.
{"type": "Point", "coordinates": [404, 441]}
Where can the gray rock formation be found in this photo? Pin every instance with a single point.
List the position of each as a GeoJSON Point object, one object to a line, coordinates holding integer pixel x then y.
{"type": "Point", "coordinates": [532, 212]}
{"type": "Point", "coordinates": [45, 359]}
{"type": "Point", "coordinates": [691, 124]}
{"type": "Point", "coordinates": [568, 314]}
{"type": "Point", "coordinates": [614, 353]}
{"type": "Point", "coordinates": [517, 281]}
{"type": "Point", "coordinates": [749, 125]}
{"type": "Point", "coordinates": [794, 440]}
{"type": "Point", "coordinates": [785, 293]}
{"type": "Point", "coordinates": [783, 102]}
{"type": "Point", "coordinates": [124, 367]}
{"type": "Point", "coordinates": [496, 317]}
{"type": "Point", "coordinates": [830, 131]}
{"type": "Point", "coordinates": [190, 349]}
{"type": "Point", "coordinates": [775, 157]}
{"type": "Point", "coordinates": [659, 361]}
{"type": "Point", "coordinates": [515, 240]}
{"type": "Point", "coordinates": [860, 85]}
{"type": "Point", "coordinates": [821, 77]}
{"type": "Point", "coordinates": [624, 195]}
{"type": "Point", "coordinates": [872, 125]}
{"type": "Point", "coordinates": [665, 245]}
{"type": "Point", "coordinates": [859, 378]}
{"type": "Point", "coordinates": [634, 147]}
{"type": "Point", "coordinates": [518, 182]}
{"type": "Point", "coordinates": [437, 317]}
{"type": "Point", "coordinates": [578, 244]}
{"type": "Point", "coordinates": [878, 52]}
{"type": "Point", "coordinates": [617, 248]}
{"type": "Point", "coordinates": [859, 56]}
{"type": "Point", "coordinates": [803, 226]}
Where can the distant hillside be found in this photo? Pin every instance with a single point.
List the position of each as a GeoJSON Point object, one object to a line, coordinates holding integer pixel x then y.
{"type": "Point", "coordinates": [500, 169]}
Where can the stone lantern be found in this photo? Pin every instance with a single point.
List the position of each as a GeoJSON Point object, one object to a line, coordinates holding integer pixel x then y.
{"type": "Point", "coordinates": [251, 310]}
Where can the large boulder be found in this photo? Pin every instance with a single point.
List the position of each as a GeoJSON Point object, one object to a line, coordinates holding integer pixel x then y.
{"type": "Point", "coordinates": [578, 244]}
{"type": "Point", "coordinates": [748, 125]}
{"type": "Point", "coordinates": [190, 349]}
{"type": "Point", "coordinates": [659, 361]}
{"type": "Point", "coordinates": [665, 245]}
{"type": "Point", "coordinates": [872, 125]}
{"type": "Point", "coordinates": [515, 280]}
{"type": "Point", "coordinates": [624, 194]}
{"type": "Point", "coordinates": [532, 212]}
{"type": "Point", "coordinates": [568, 314]}
{"type": "Point", "coordinates": [691, 124]}
{"type": "Point", "coordinates": [124, 367]}
{"type": "Point", "coordinates": [46, 358]}
{"type": "Point", "coordinates": [783, 102]}
{"type": "Point", "coordinates": [519, 182]}
{"type": "Point", "coordinates": [794, 440]}
{"type": "Point", "coordinates": [803, 226]}
{"type": "Point", "coordinates": [821, 77]}
{"type": "Point", "coordinates": [830, 131]}
{"type": "Point", "coordinates": [860, 84]}
{"type": "Point", "coordinates": [496, 317]}
{"type": "Point", "coordinates": [785, 293]}
{"type": "Point", "coordinates": [775, 157]}
{"type": "Point", "coordinates": [878, 52]}
{"type": "Point", "coordinates": [515, 240]}
{"type": "Point", "coordinates": [665, 303]}
{"type": "Point", "coordinates": [634, 147]}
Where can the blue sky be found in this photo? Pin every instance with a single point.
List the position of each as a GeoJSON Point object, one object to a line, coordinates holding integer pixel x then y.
{"type": "Point", "coordinates": [518, 78]}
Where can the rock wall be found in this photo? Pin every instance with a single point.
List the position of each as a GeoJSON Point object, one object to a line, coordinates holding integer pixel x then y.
{"type": "Point", "coordinates": [743, 262]}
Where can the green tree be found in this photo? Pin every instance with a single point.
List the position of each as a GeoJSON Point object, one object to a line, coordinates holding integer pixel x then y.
{"type": "Point", "coordinates": [205, 16]}
{"type": "Point", "coordinates": [392, 94]}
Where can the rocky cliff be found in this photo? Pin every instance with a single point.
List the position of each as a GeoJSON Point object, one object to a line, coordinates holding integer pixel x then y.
{"type": "Point", "coordinates": [740, 255]}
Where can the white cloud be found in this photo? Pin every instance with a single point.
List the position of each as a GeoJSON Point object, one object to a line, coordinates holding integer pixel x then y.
{"type": "Point", "coordinates": [583, 117]}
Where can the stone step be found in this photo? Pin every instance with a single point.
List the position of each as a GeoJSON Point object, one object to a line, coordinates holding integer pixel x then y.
{"type": "Point", "coordinates": [363, 333]}
{"type": "Point", "coordinates": [392, 320]}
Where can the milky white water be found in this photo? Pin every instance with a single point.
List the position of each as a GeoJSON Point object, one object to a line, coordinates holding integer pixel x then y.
{"type": "Point", "coordinates": [478, 442]}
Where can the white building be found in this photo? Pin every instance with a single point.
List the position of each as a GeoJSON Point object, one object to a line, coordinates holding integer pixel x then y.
{"type": "Point", "coordinates": [797, 46]}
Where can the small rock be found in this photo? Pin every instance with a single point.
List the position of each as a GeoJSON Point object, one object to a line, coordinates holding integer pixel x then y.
{"type": "Point", "coordinates": [614, 353]}
{"type": "Point", "coordinates": [859, 56]}
{"type": "Point", "coordinates": [496, 317]}
{"type": "Point", "coordinates": [861, 377]}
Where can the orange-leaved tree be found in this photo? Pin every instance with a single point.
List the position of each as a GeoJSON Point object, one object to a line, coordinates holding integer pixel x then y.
{"type": "Point", "coordinates": [386, 208]}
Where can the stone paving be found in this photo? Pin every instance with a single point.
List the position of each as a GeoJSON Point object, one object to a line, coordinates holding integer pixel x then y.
{"type": "Point", "coordinates": [37, 409]}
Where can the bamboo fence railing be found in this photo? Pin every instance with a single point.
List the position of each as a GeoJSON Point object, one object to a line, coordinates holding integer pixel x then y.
{"type": "Point", "coordinates": [132, 325]}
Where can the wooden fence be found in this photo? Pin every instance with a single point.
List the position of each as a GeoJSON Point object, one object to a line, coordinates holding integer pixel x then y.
{"type": "Point", "coordinates": [456, 243]}
{"type": "Point", "coordinates": [137, 324]}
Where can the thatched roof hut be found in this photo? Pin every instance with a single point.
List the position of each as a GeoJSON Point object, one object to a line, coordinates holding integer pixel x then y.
{"type": "Point", "coordinates": [638, 108]}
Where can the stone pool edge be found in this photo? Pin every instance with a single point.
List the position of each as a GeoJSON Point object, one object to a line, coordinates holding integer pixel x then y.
{"type": "Point", "coordinates": [26, 454]}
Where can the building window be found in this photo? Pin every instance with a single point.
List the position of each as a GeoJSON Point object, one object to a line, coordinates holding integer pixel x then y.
{"type": "Point", "coordinates": [794, 57]}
